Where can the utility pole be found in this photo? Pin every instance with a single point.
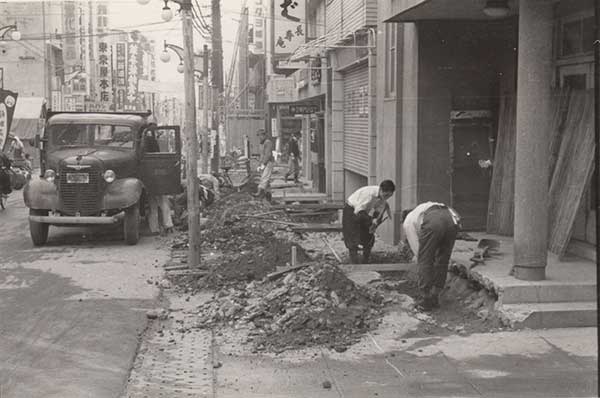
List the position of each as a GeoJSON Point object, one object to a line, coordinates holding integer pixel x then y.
{"type": "Point", "coordinates": [193, 200]}
{"type": "Point", "coordinates": [217, 76]}
{"type": "Point", "coordinates": [205, 124]}
{"type": "Point", "coordinates": [243, 61]}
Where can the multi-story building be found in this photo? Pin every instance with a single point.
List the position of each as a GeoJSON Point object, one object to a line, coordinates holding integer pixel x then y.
{"type": "Point", "coordinates": [453, 81]}
{"type": "Point", "coordinates": [333, 70]}
{"type": "Point", "coordinates": [32, 66]}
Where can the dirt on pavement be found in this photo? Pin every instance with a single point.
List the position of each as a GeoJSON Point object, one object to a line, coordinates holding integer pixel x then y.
{"type": "Point", "coordinates": [245, 241]}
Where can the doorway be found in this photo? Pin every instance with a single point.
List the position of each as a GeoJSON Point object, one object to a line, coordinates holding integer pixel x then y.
{"type": "Point", "coordinates": [471, 166]}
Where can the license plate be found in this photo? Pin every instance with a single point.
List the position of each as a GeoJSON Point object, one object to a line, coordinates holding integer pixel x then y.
{"type": "Point", "coordinates": [78, 178]}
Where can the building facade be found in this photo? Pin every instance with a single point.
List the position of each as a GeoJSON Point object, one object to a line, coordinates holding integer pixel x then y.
{"type": "Point", "coordinates": [508, 166]}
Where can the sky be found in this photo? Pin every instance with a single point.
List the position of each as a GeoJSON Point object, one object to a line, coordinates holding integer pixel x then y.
{"type": "Point", "coordinates": [127, 14]}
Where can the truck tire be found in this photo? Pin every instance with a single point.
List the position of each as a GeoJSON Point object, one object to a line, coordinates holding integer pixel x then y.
{"type": "Point", "coordinates": [131, 224]}
{"type": "Point", "coordinates": [38, 230]}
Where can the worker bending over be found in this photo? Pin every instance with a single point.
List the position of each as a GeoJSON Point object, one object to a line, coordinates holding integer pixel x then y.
{"type": "Point", "coordinates": [431, 230]}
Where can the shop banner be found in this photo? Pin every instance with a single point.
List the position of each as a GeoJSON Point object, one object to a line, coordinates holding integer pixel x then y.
{"type": "Point", "coordinates": [289, 24]}
{"type": "Point", "coordinates": [8, 100]}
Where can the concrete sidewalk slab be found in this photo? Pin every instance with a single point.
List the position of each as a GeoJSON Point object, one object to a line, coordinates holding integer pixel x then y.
{"type": "Point", "coordinates": [540, 363]}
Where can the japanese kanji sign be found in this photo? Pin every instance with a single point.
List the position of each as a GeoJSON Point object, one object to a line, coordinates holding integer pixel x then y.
{"type": "Point", "coordinates": [8, 100]}
{"type": "Point", "coordinates": [289, 21]}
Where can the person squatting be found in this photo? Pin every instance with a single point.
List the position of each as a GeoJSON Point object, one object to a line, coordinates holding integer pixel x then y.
{"type": "Point", "coordinates": [363, 213]}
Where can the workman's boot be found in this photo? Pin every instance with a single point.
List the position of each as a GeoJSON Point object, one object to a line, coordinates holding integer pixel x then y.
{"type": "Point", "coordinates": [366, 255]}
{"type": "Point", "coordinates": [354, 256]}
{"type": "Point", "coordinates": [425, 304]}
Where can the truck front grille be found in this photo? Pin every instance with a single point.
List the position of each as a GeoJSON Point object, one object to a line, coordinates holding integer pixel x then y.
{"type": "Point", "coordinates": [80, 198]}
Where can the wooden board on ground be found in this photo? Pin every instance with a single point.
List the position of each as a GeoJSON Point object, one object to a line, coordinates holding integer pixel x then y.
{"type": "Point", "coordinates": [299, 196]}
{"type": "Point", "coordinates": [377, 267]}
{"type": "Point", "coordinates": [306, 206]}
{"type": "Point", "coordinates": [317, 228]}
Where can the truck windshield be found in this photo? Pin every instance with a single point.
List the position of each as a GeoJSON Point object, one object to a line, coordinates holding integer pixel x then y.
{"type": "Point", "coordinates": [94, 135]}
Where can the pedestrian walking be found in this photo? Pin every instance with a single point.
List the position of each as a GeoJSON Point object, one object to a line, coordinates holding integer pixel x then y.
{"type": "Point", "coordinates": [363, 212]}
{"type": "Point", "coordinates": [431, 230]}
{"type": "Point", "coordinates": [293, 158]}
{"type": "Point", "coordinates": [266, 166]}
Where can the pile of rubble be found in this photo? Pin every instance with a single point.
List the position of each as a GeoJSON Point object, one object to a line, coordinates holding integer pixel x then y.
{"type": "Point", "coordinates": [313, 305]}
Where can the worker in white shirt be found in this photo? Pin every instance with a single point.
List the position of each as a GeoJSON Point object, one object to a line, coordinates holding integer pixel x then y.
{"type": "Point", "coordinates": [363, 212]}
{"type": "Point", "coordinates": [431, 230]}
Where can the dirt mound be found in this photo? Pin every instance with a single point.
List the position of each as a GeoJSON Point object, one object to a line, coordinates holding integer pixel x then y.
{"type": "Point", "coordinates": [314, 305]}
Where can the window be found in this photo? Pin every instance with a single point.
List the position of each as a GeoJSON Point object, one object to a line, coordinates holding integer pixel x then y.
{"type": "Point", "coordinates": [391, 61]}
{"type": "Point", "coordinates": [576, 36]}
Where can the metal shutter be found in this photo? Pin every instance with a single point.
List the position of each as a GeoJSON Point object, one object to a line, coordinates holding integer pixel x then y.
{"type": "Point", "coordinates": [356, 120]}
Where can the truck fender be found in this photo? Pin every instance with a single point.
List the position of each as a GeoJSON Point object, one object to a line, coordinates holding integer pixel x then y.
{"type": "Point", "coordinates": [40, 194]}
{"type": "Point", "coordinates": [122, 193]}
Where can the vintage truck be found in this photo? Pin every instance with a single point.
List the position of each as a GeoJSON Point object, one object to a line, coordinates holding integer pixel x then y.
{"type": "Point", "coordinates": [96, 169]}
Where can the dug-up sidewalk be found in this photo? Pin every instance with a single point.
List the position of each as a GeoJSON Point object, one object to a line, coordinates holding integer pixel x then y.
{"type": "Point", "coordinates": [178, 360]}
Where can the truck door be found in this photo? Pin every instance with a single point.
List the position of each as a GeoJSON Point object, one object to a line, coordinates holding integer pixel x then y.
{"type": "Point", "coordinates": [160, 168]}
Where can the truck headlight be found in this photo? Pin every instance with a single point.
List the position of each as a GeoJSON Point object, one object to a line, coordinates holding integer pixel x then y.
{"type": "Point", "coordinates": [109, 176]}
{"type": "Point", "coordinates": [49, 175]}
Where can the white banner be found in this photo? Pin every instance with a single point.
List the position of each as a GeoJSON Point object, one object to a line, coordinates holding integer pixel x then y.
{"type": "Point", "coordinates": [290, 23]}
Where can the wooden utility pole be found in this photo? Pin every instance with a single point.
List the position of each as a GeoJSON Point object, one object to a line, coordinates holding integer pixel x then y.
{"type": "Point", "coordinates": [217, 76]}
{"type": "Point", "coordinates": [193, 199]}
{"type": "Point", "coordinates": [205, 124]}
{"type": "Point", "coordinates": [243, 61]}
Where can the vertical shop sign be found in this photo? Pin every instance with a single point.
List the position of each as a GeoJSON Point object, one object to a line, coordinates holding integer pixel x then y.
{"type": "Point", "coordinates": [8, 100]}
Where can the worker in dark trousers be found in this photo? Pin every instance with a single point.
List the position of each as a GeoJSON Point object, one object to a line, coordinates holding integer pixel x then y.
{"type": "Point", "coordinates": [363, 212]}
{"type": "Point", "coordinates": [431, 230]}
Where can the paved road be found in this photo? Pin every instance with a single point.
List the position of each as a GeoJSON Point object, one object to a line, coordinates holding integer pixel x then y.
{"type": "Point", "coordinates": [71, 312]}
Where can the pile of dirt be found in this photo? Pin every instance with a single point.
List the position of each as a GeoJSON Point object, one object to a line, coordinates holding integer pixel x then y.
{"type": "Point", "coordinates": [245, 246]}
{"type": "Point", "coordinates": [313, 305]}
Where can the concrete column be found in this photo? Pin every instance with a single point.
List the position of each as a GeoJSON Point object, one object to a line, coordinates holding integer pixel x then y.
{"type": "Point", "coordinates": [533, 117]}
{"type": "Point", "coordinates": [337, 133]}
{"type": "Point", "coordinates": [410, 115]}
{"type": "Point", "coordinates": [372, 66]}
{"type": "Point", "coordinates": [306, 155]}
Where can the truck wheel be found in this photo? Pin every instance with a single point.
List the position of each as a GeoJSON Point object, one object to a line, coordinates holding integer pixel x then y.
{"type": "Point", "coordinates": [38, 230]}
{"type": "Point", "coordinates": [131, 224]}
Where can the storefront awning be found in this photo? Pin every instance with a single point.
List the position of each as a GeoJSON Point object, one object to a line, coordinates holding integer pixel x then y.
{"type": "Point", "coordinates": [29, 111]}
{"type": "Point", "coordinates": [420, 10]}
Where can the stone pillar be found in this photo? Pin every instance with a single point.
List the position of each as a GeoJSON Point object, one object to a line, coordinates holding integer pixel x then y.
{"type": "Point", "coordinates": [372, 66]}
{"type": "Point", "coordinates": [337, 132]}
{"type": "Point", "coordinates": [533, 119]}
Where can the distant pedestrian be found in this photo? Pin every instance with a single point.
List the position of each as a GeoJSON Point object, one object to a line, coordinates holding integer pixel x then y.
{"type": "Point", "coordinates": [293, 158]}
{"type": "Point", "coordinates": [266, 166]}
{"type": "Point", "coordinates": [431, 230]}
{"type": "Point", "coordinates": [363, 212]}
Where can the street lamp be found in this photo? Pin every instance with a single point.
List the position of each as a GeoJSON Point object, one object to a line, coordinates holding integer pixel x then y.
{"type": "Point", "coordinates": [14, 35]}
{"type": "Point", "coordinates": [166, 13]}
{"type": "Point", "coordinates": [166, 57]}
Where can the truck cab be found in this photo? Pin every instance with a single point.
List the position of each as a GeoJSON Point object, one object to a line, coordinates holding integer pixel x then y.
{"type": "Point", "coordinates": [99, 168]}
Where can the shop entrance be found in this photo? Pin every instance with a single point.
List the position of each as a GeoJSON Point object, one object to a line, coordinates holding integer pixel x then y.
{"type": "Point", "coordinates": [471, 166]}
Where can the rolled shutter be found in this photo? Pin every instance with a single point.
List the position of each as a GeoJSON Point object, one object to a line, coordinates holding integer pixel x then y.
{"type": "Point", "coordinates": [356, 120]}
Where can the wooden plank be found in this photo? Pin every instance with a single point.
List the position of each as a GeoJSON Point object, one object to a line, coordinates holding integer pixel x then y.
{"type": "Point", "coordinates": [300, 195]}
{"type": "Point", "coordinates": [317, 228]}
{"type": "Point", "coordinates": [306, 206]}
{"type": "Point", "coordinates": [573, 170]}
{"type": "Point", "coordinates": [277, 274]}
{"type": "Point", "coordinates": [377, 267]}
